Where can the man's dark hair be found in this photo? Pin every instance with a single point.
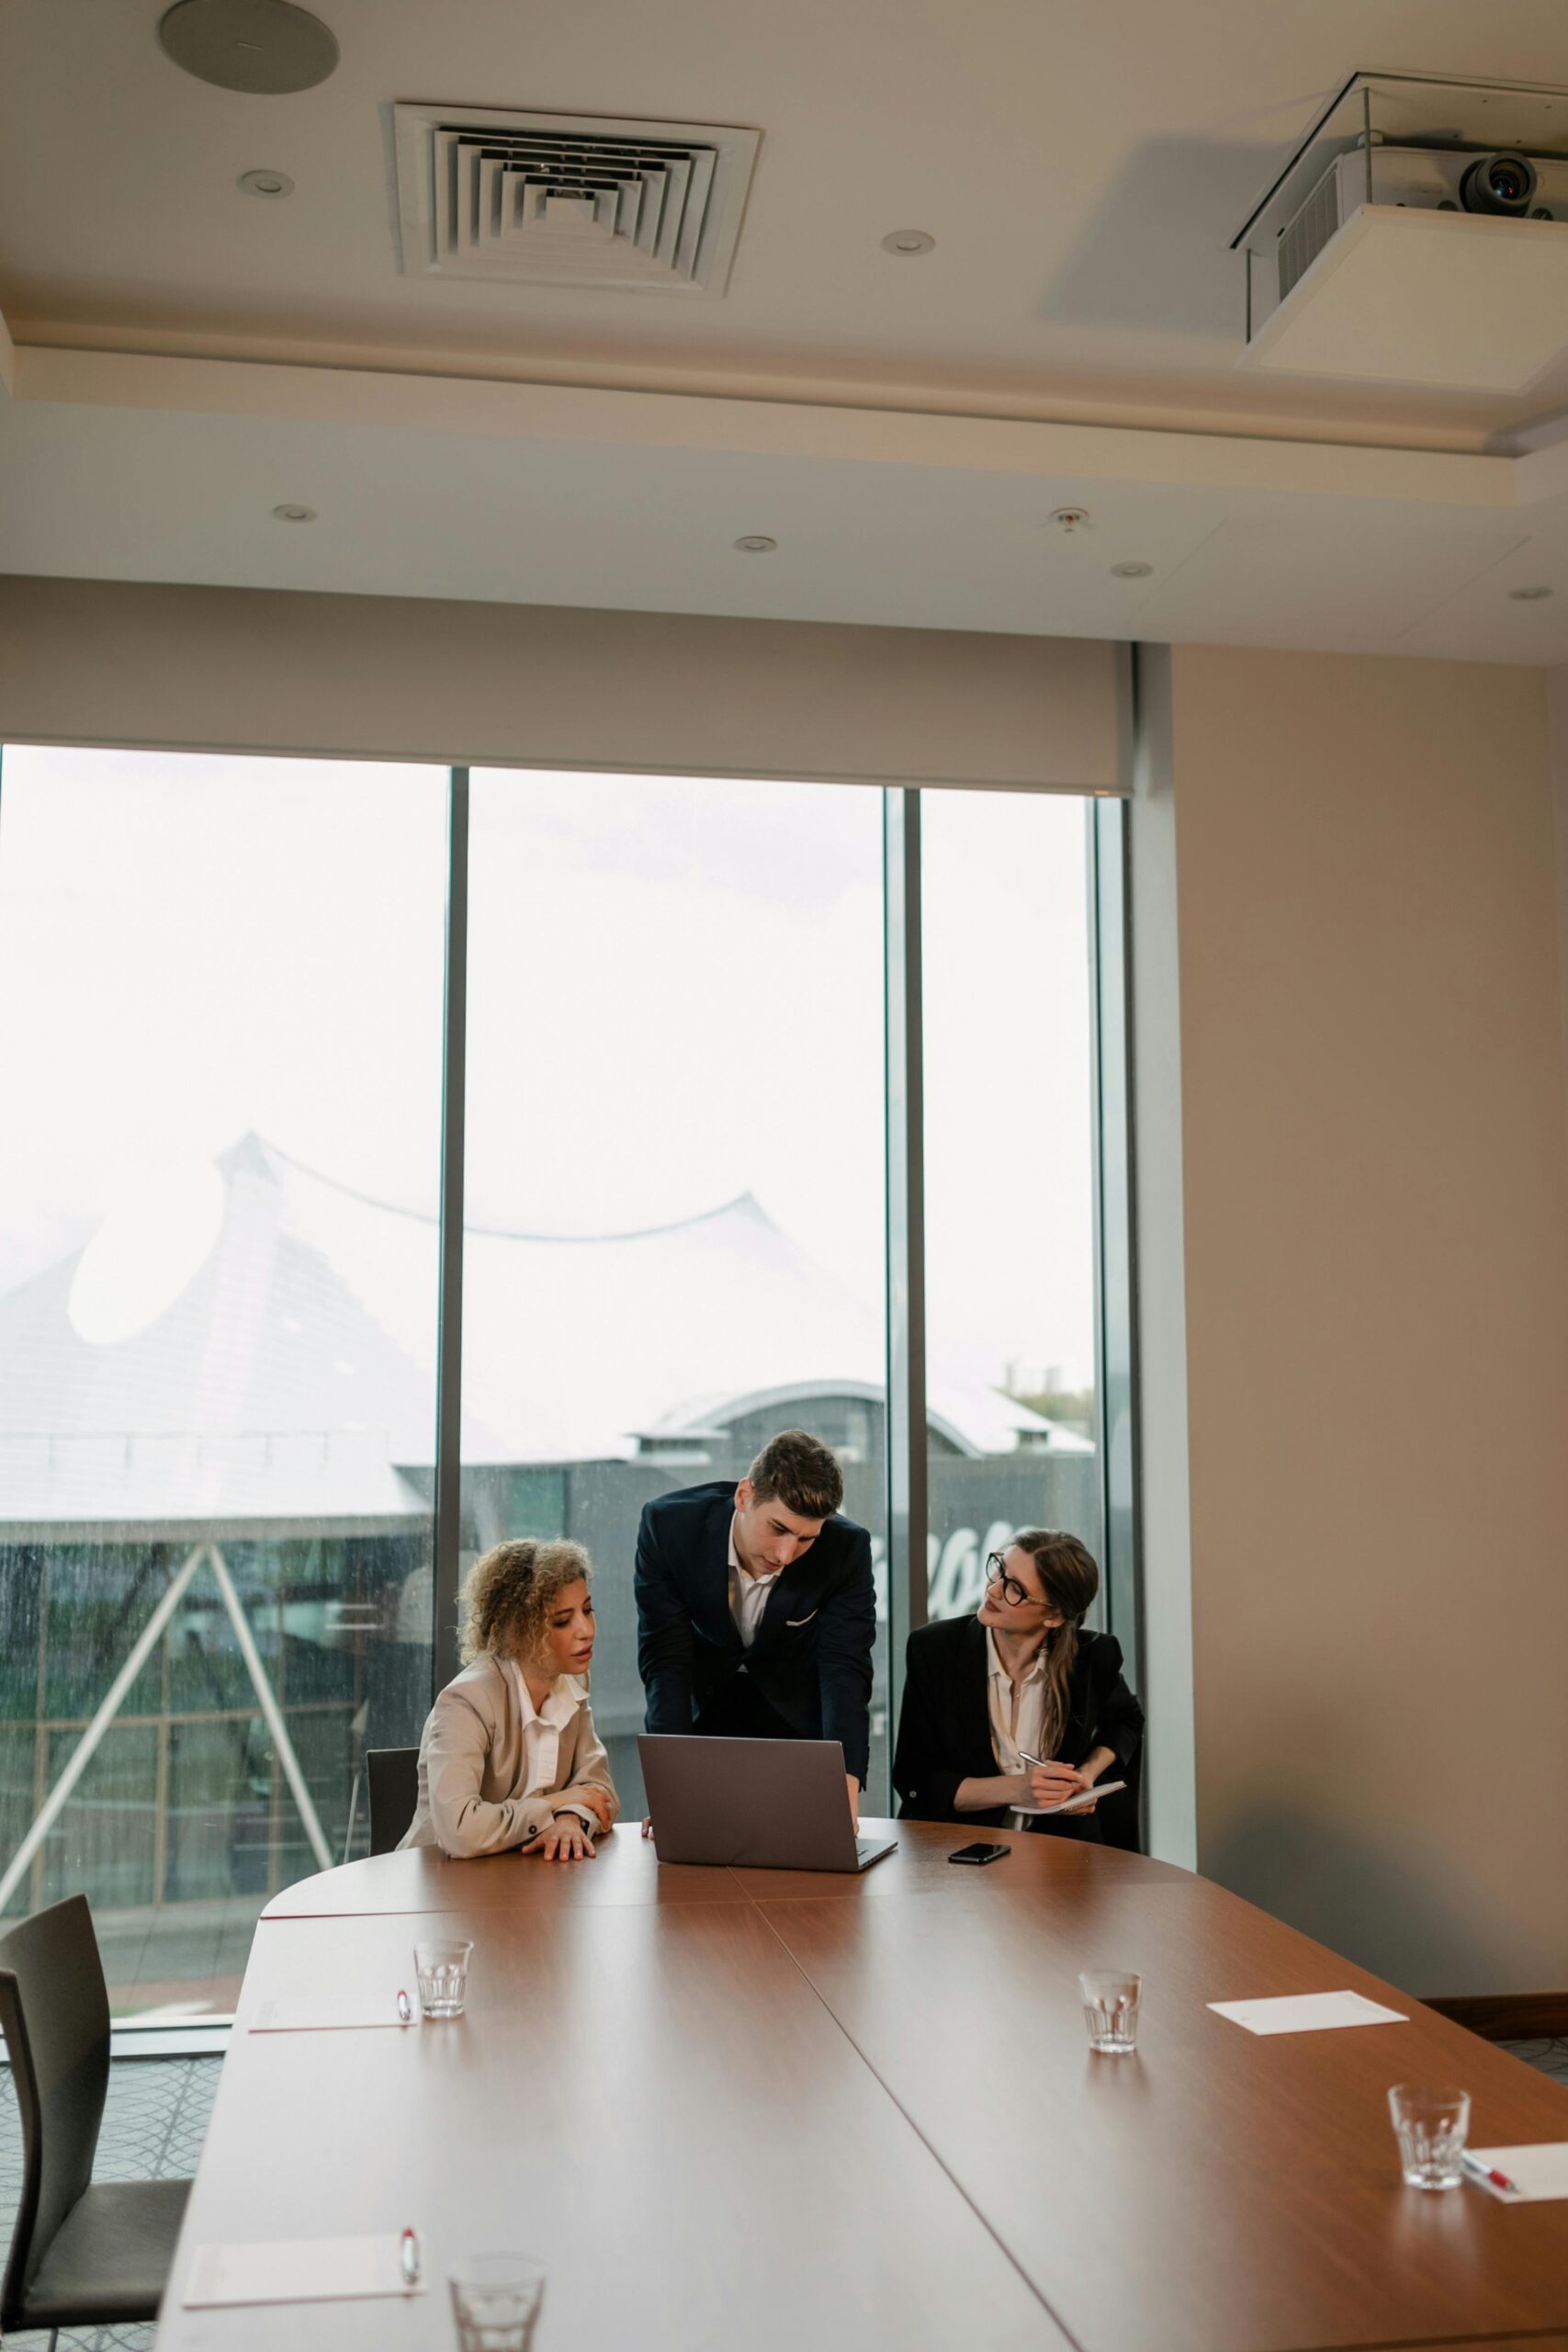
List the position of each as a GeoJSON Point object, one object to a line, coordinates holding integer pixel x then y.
{"type": "Point", "coordinates": [799, 1472]}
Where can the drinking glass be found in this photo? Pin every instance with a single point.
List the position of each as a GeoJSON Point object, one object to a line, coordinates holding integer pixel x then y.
{"type": "Point", "coordinates": [1111, 2011]}
{"type": "Point", "coordinates": [495, 2299]}
{"type": "Point", "coordinates": [442, 1973]}
{"type": "Point", "coordinates": [1431, 2127]}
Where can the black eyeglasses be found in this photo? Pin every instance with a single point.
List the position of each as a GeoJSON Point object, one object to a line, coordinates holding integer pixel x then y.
{"type": "Point", "coordinates": [1013, 1593]}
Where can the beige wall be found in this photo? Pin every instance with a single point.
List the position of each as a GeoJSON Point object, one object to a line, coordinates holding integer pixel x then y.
{"type": "Point", "coordinates": [1375, 1162]}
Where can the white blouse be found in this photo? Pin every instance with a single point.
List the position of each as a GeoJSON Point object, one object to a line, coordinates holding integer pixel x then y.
{"type": "Point", "coordinates": [1008, 1737]}
{"type": "Point", "coordinates": [542, 1729]}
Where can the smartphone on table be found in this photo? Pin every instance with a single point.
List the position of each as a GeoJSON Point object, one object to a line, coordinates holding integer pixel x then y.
{"type": "Point", "coordinates": [979, 1853]}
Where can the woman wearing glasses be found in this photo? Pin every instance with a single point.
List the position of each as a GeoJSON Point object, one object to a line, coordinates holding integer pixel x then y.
{"type": "Point", "coordinates": [1019, 1707]}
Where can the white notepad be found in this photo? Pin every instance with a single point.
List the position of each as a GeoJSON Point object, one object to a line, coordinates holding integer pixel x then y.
{"type": "Point", "coordinates": [1538, 2172]}
{"type": "Point", "coordinates": [1070, 1804]}
{"type": "Point", "coordinates": [295, 2270]}
{"type": "Point", "coordinates": [330, 2014]}
{"type": "Point", "coordinates": [1307, 2013]}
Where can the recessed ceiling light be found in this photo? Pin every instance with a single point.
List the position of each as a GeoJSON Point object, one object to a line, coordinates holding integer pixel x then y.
{"type": "Point", "coordinates": [1131, 570]}
{"type": "Point", "coordinates": [264, 47]}
{"type": "Point", "coordinates": [1529, 595]}
{"type": "Point", "coordinates": [265, 183]}
{"type": "Point", "coordinates": [908, 242]}
{"type": "Point", "coordinates": [756, 543]}
{"type": "Point", "coordinates": [295, 514]}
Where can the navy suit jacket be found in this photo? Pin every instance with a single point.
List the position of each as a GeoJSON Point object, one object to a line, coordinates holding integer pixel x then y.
{"type": "Point", "coordinates": [811, 1660]}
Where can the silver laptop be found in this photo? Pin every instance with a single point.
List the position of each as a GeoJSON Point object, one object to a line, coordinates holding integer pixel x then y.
{"type": "Point", "coordinates": [772, 1804]}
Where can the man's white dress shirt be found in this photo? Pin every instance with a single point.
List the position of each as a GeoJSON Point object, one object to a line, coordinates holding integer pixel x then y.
{"type": "Point", "coordinates": [748, 1595]}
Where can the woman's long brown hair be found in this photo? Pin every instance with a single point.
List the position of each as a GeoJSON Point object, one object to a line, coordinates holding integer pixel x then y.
{"type": "Point", "coordinates": [1070, 1579]}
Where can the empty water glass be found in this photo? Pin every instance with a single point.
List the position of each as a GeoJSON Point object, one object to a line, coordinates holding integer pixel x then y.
{"type": "Point", "coordinates": [1111, 2011]}
{"type": "Point", "coordinates": [495, 2299]}
{"type": "Point", "coordinates": [442, 1973]}
{"type": "Point", "coordinates": [1431, 2127]}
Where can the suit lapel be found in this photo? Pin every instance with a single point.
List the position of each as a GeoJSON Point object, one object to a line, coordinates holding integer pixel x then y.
{"type": "Point", "coordinates": [715, 1571]}
{"type": "Point", "coordinates": [791, 1596]}
{"type": "Point", "coordinates": [974, 1702]}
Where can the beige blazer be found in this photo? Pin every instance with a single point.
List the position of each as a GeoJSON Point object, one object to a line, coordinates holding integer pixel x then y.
{"type": "Point", "coordinates": [473, 1767]}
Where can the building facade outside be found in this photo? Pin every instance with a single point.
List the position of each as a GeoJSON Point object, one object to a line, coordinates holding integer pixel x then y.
{"type": "Point", "coordinates": [215, 1481]}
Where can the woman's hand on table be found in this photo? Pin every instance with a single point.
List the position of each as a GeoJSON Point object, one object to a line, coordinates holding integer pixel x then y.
{"type": "Point", "coordinates": [597, 1799]}
{"type": "Point", "coordinates": [566, 1840]}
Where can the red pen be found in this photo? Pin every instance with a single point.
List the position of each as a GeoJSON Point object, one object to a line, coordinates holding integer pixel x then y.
{"type": "Point", "coordinates": [1478, 2171]}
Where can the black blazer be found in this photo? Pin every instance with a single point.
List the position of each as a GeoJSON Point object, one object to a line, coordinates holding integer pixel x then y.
{"type": "Point", "coordinates": [945, 1725]}
{"type": "Point", "coordinates": [811, 1660]}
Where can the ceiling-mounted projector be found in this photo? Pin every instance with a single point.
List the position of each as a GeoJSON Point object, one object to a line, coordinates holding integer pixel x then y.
{"type": "Point", "coordinates": [1407, 242]}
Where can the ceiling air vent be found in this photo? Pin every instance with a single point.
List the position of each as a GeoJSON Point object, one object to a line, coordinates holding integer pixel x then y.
{"type": "Point", "coordinates": [560, 199]}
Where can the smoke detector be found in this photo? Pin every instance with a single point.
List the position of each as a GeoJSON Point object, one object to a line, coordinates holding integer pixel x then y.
{"type": "Point", "coordinates": [556, 199]}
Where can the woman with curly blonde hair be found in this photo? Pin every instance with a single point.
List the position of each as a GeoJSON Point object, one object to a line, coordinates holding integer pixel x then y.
{"type": "Point", "coordinates": [510, 1757]}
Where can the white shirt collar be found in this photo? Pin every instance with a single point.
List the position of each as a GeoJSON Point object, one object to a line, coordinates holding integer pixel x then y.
{"type": "Point", "coordinates": [735, 1568]}
{"type": "Point", "coordinates": [566, 1694]}
{"type": "Point", "coordinates": [995, 1667]}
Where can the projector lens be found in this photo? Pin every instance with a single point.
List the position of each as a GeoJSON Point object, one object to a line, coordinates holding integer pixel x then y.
{"type": "Point", "coordinates": [1498, 184]}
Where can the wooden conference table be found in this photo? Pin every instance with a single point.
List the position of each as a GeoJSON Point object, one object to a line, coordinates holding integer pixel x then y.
{"type": "Point", "coordinates": [761, 2109]}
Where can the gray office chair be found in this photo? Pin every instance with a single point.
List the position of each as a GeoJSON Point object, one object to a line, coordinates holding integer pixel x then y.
{"type": "Point", "coordinates": [394, 1776]}
{"type": "Point", "coordinates": [81, 2255]}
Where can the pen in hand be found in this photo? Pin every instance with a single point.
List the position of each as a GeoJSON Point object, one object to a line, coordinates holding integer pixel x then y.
{"type": "Point", "coordinates": [1077, 1797]}
{"type": "Point", "coordinates": [408, 2258]}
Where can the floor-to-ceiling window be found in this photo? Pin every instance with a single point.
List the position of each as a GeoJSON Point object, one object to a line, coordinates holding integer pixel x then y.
{"type": "Point", "coordinates": [1009, 1180]}
{"type": "Point", "coordinates": [220, 1134]}
{"type": "Point", "coordinates": [675, 1161]}
{"type": "Point", "coordinates": [221, 1139]}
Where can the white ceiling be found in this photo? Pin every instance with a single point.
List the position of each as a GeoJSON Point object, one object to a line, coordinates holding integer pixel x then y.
{"type": "Point", "coordinates": [1082, 165]}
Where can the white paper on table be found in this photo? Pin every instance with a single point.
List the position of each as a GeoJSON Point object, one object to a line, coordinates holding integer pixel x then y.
{"type": "Point", "coordinates": [331, 2013]}
{"type": "Point", "coordinates": [1307, 2012]}
{"type": "Point", "coordinates": [296, 2271]}
{"type": "Point", "coordinates": [1538, 2171]}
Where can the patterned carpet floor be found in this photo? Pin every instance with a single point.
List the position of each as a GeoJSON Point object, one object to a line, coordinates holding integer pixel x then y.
{"type": "Point", "coordinates": [1546, 2057]}
{"type": "Point", "coordinates": [156, 2120]}
{"type": "Point", "coordinates": [154, 2124]}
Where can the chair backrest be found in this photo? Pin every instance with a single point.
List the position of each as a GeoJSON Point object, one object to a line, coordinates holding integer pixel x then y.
{"type": "Point", "coordinates": [54, 2013]}
{"type": "Point", "coordinates": [393, 1777]}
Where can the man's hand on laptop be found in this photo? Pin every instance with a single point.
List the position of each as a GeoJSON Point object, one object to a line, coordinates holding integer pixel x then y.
{"type": "Point", "coordinates": [854, 1798]}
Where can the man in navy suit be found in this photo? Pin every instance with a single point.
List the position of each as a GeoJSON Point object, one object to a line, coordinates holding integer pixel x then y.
{"type": "Point", "coordinates": [755, 1607]}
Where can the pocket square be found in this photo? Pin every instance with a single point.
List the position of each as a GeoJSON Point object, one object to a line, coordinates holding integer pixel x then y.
{"type": "Point", "coordinates": [800, 1620]}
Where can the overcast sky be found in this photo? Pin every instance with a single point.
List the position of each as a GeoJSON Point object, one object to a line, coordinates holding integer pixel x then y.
{"type": "Point", "coordinates": [675, 995]}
